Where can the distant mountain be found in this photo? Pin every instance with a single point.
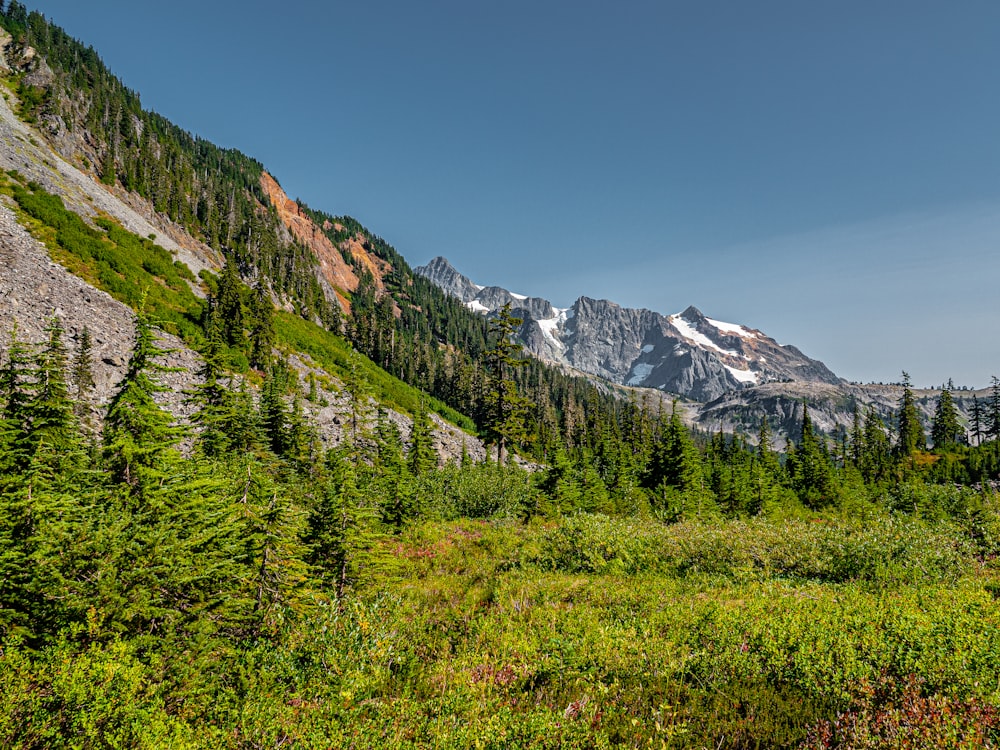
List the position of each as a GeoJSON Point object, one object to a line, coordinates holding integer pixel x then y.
{"type": "Point", "coordinates": [687, 353]}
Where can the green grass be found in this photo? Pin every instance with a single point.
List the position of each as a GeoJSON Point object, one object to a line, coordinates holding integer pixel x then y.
{"type": "Point", "coordinates": [124, 265]}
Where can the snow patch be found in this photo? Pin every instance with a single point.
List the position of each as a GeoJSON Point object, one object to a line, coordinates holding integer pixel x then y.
{"type": "Point", "coordinates": [640, 372]}
{"type": "Point", "coordinates": [518, 296]}
{"type": "Point", "coordinates": [550, 326]}
{"type": "Point", "coordinates": [732, 328]}
{"type": "Point", "coordinates": [744, 376]}
{"type": "Point", "coordinates": [647, 348]}
{"type": "Point", "coordinates": [477, 306]}
{"type": "Point", "coordinates": [691, 333]}
{"type": "Point", "coordinates": [480, 287]}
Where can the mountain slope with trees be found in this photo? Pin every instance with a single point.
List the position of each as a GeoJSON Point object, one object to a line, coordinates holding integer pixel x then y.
{"type": "Point", "coordinates": [191, 557]}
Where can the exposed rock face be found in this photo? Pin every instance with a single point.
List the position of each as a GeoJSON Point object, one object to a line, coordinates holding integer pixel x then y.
{"type": "Point", "coordinates": [733, 376]}
{"type": "Point", "coordinates": [441, 272]}
{"type": "Point", "coordinates": [333, 267]}
{"type": "Point", "coordinates": [687, 353]}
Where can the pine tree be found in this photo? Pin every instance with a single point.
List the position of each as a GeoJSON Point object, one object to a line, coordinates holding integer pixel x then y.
{"type": "Point", "coordinates": [945, 431]}
{"type": "Point", "coordinates": [506, 410]}
{"type": "Point", "coordinates": [139, 434]}
{"type": "Point", "coordinates": [83, 374]}
{"type": "Point", "coordinates": [910, 432]}
{"type": "Point", "coordinates": [812, 475]}
{"type": "Point", "coordinates": [422, 456]}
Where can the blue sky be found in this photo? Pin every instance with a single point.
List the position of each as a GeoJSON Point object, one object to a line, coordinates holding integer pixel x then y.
{"type": "Point", "coordinates": [828, 173]}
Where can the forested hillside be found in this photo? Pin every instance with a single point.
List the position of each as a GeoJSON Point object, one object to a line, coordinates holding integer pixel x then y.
{"type": "Point", "coordinates": [190, 561]}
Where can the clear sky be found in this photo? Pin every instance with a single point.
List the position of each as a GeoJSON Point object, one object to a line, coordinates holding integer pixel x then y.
{"type": "Point", "coordinates": [826, 172]}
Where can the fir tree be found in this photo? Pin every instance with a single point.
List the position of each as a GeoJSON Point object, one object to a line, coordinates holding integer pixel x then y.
{"type": "Point", "coordinates": [341, 532]}
{"type": "Point", "coordinates": [946, 432]}
{"type": "Point", "coordinates": [261, 324]}
{"type": "Point", "coordinates": [506, 410]}
{"type": "Point", "coordinates": [910, 432]}
{"type": "Point", "coordinates": [422, 456]}
{"type": "Point", "coordinates": [54, 437]}
{"type": "Point", "coordinates": [139, 434]}
{"type": "Point", "coordinates": [83, 374]}
{"type": "Point", "coordinates": [226, 307]}
{"type": "Point", "coordinates": [811, 470]}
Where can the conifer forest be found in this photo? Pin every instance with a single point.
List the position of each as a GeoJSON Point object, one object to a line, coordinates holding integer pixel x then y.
{"type": "Point", "coordinates": [204, 567]}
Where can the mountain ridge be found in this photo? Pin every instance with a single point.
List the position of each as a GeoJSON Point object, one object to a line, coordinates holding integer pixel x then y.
{"type": "Point", "coordinates": [685, 353]}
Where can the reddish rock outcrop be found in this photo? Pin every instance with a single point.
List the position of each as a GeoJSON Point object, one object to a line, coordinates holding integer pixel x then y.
{"type": "Point", "coordinates": [332, 264]}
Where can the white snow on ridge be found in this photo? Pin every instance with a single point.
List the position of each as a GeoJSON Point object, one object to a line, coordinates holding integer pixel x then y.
{"type": "Point", "coordinates": [639, 373]}
{"type": "Point", "coordinates": [480, 287]}
{"type": "Point", "coordinates": [689, 332]}
{"type": "Point", "coordinates": [732, 328]}
{"type": "Point", "coordinates": [518, 296]}
{"type": "Point", "coordinates": [477, 306]}
{"type": "Point", "coordinates": [744, 376]}
{"type": "Point", "coordinates": [550, 326]}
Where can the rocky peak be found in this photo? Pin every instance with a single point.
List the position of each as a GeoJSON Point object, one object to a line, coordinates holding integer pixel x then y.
{"type": "Point", "coordinates": [444, 275]}
{"type": "Point", "coordinates": [687, 353]}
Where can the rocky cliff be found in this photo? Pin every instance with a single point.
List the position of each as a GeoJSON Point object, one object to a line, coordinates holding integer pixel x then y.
{"type": "Point", "coordinates": [687, 354]}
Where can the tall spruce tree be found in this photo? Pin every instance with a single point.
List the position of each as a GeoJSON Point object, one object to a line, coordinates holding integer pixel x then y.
{"type": "Point", "coordinates": [139, 434]}
{"type": "Point", "coordinates": [506, 410]}
{"type": "Point", "coordinates": [810, 467]}
{"type": "Point", "coordinates": [946, 432]}
{"type": "Point", "coordinates": [910, 432]}
{"type": "Point", "coordinates": [422, 457]}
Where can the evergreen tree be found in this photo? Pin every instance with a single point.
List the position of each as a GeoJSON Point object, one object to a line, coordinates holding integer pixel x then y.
{"type": "Point", "coordinates": [675, 473]}
{"type": "Point", "coordinates": [946, 432]}
{"type": "Point", "coordinates": [261, 328]}
{"type": "Point", "coordinates": [910, 431]}
{"type": "Point", "coordinates": [226, 307]}
{"type": "Point", "coordinates": [341, 532]}
{"type": "Point", "coordinates": [977, 420]}
{"type": "Point", "coordinates": [272, 528]}
{"type": "Point", "coordinates": [83, 374]}
{"type": "Point", "coordinates": [993, 410]}
{"type": "Point", "coordinates": [507, 411]}
{"type": "Point", "coordinates": [213, 408]}
{"type": "Point", "coordinates": [422, 456]}
{"type": "Point", "coordinates": [139, 434]}
{"type": "Point", "coordinates": [391, 473]}
{"type": "Point", "coordinates": [54, 436]}
{"type": "Point", "coordinates": [811, 470]}
{"type": "Point", "coordinates": [876, 454]}
{"type": "Point", "coordinates": [16, 385]}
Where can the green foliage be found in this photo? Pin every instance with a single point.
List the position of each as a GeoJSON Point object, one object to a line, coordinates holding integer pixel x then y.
{"type": "Point", "coordinates": [129, 268]}
{"type": "Point", "coordinates": [338, 359]}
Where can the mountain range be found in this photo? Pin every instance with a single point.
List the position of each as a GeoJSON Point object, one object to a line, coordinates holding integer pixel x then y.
{"type": "Point", "coordinates": [728, 375]}
{"type": "Point", "coordinates": [70, 128]}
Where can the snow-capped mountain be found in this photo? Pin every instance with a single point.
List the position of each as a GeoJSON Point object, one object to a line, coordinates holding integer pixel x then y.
{"type": "Point", "coordinates": [686, 353]}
